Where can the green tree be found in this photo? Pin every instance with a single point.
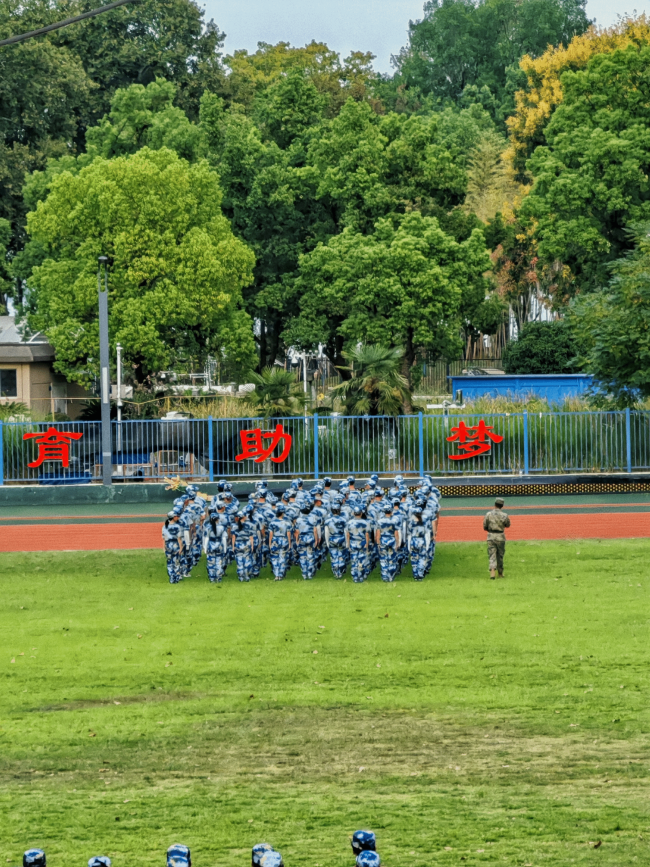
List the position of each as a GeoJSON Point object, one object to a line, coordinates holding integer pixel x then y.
{"type": "Point", "coordinates": [176, 274]}
{"type": "Point", "coordinates": [252, 74]}
{"type": "Point", "coordinates": [469, 49]}
{"type": "Point", "coordinates": [542, 347]}
{"type": "Point", "coordinates": [368, 166]}
{"type": "Point", "coordinates": [376, 386]}
{"type": "Point", "coordinates": [408, 285]}
{"type": "Point", "coordinates": [43, 89]}
{"type": "Point", "coordinates": [138, 43]}
{"type": "Point", "coordinates": [612, 326]}
{"type": "Point", "coordinates": [277, 393]}
{"type": "Point", "coordinates": [591, 180]}
{"type": "Point", "coordinates": [146, 117]}
{"type": "Point", "coordinates": [489, 185]}
{"type": "Point", "coordinates": [270, 198]}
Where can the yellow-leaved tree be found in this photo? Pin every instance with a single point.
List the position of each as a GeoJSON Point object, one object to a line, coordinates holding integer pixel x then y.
{"type": "Point", "coordinates": [543, 91]}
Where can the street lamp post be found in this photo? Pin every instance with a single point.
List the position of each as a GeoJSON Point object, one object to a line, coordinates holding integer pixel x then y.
{"type": "Point", "coordinates": [105, 378]}
{"type": "Point", "coordinates": [118, 350]}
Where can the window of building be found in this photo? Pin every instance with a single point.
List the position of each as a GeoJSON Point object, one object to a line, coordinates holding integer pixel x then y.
{"type": "Point", "coordinates": [8, 383]}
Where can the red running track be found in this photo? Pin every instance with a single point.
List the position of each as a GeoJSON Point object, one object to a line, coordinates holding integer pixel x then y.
{"type": "Point", "coordinates": [105, 537]}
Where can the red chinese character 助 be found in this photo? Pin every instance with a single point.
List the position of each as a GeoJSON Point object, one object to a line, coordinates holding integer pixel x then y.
{"type": "Point", "coordinates": [254, 448]}
{"type": "Point", "coordinates": [473, 439]}
{"type": "Point", "coordinates": [53, 445]}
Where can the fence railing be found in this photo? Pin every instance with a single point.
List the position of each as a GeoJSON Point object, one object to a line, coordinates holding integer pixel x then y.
{"type": "Point", "coordinates": [207, 449]}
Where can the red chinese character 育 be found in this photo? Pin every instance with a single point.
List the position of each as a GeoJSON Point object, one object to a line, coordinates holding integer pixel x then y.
{"type": "Point", "coordinates": [53, 445]}
{"type": "Point", "coordinates": [473, 440]}
{"type": "Point", "coordinates": [253, 446]}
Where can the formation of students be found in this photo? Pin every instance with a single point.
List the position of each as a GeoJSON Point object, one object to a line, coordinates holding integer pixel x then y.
{"type": "Point", "coordinates": [355, 527]}
{"type": "Point", "coordinates": [364, 846]}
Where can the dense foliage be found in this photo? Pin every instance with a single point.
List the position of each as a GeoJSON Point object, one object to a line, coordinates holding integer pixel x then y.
{"type": "Point", "coordinates": [542, 347]}
{"type": "Point", "coordinates": [613, 326]}
{"type": "Point", "coordinates": [498, 170]}
{"type": "Point", "coordinates": [176, 269]}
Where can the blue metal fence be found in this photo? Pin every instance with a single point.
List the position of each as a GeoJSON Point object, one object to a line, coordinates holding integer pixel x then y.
{"type": "Point", "coordinates": [205, 449]}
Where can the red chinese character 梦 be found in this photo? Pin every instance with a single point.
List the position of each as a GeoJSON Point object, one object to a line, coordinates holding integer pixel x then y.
{"type": "Point", "coordinates": [473, 440]}
{"type": "Point", "coordinates": [253, 446]}
{"type": "Point", "coordinates": [53, 445]}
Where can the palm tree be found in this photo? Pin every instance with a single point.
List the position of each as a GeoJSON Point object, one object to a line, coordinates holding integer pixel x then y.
{"type": "Point", "coordinates": [276, 395]}
{"type": "Point", "coordinates": [376, 386]}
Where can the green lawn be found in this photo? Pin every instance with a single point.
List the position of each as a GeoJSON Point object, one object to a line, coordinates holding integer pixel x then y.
{"type": "Point", "coordinates": [464, 720]}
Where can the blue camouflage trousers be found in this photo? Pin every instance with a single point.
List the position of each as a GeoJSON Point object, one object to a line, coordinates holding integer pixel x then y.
{"type": "Point", "coordinates": [245, 564]}
{"type": "Point", "coordinates": [217, 562]}
{"type": "Point", "coordinates": [338, 559]}
{"type": "Point", "coordinates": [172, 553]}
{"type": "Point", "coordinates": [358, 564]}
{"type": "Point", "coordinates": [419, 560]}
{"type": "Point", "coordinates": [197, 548]}
{"type": "Point", "coordinates": [389, 563]}
{"type": "Point", "coordinates": [280, 560]}
{"type": "Point", "coordinates": [307, 560]}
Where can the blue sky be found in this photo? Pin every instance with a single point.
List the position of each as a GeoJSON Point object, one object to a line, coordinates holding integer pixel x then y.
{"type": "Point", "coordinates": [379, 26]}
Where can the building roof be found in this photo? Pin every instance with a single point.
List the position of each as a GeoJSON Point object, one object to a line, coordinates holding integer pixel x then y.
{"type": "Point", "coordinates": [16, 349]}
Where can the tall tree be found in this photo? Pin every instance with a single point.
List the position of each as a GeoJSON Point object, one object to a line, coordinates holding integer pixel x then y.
{"type": "Point", "coordinates": [465, 44]}
{"type": "Point", "coordinates": [612, 326]}
{"type": "Point", "coordinates": [407, 285]}
{"type": "Point", "coordinates": [540, 90]}
{"type": "Point", "coordinates": [590, 181]}
{"type": "Point", "coordinates": [176, 273]}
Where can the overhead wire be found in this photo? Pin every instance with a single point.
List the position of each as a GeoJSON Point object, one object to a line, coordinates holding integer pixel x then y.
{"type": "Point", "coordinates": [67, 21]}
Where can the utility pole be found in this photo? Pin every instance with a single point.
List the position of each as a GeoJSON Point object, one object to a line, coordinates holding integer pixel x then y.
{"type": "Point", "coordinates": [118, 350]}
{"type": "Point", "coordinates": [105, 378]}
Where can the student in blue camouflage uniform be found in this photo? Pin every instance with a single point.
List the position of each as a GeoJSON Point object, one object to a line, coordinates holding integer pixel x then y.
{"type": "Point", "coordinates": [327, 491]}
{"type": "Point", "coordinates": [368, 859]}
{"type": "Point", "coordinates": [335, 536]}
{"type": "Point", "coordinates": [242, 539]}
{"type": "Point", "coordinates": [268, 514]}
{"type": "Point", "coordinates": [292, 514]}
{"type": "Point", "coordinates": [187, 526]}
{"type": "Point", "coordinates": [358, 539]}
{"type": "Point", "coordinates": [257, 853]}
{"type": "Point", "coordinates": [363, 841]}
{"type": "Point", "coordinates": [196, 508]}
{"type": "Point", "coordinates": [306, 536]}
{"type": "Point", "coordinates": [388, 542]}
{"type": "Point", "coordinates": [217, 543]}
{"type": "Point", "coordinates": [418, 544]}
{"type": "Point", "coordinates": [172, 537]}
{"type": "Point", "coordinates": [280, 542]}
{"type": "Point", "coordinates": [256, 519]}
{"type": "Point", "coordinates": [320, 514]}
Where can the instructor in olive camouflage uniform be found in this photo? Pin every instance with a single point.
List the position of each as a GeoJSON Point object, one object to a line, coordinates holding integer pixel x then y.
{"type": "Point", "coordinates": [495, 523]}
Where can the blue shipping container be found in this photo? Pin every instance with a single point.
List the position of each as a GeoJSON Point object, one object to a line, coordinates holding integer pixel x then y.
{"type": "Point", "coordinates": [554, 387]}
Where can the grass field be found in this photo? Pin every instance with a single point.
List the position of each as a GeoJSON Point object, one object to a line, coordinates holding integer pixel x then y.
{"type": "Point", "coordinates": [464, 720]}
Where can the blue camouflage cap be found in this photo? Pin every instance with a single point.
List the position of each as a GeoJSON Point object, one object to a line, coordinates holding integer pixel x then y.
{"type": "Point", "coordinates": [34, 858]}
{"type": "Point", "coordinates": [173, 514]}
{"type": "Point", "coordinates": [350, 480]}
{"type": "Point", "coordinates": [178, 856]}
{"type": "Point", "coordinates": [221, 484]}
{"type": "Point", "coordinates": [363, 841]}
{"type": "Point", "coordinates": [259, 849]}
{"type": "Point", "coordinates": [280, 509]}
{"type": "Point", "coordinates": [374, 477]}
{"type": "Point", "coordinates": [272, 859]}
{"type": "Point", "coordinates": [368, 859]}
{"type": "Point", "coordinates": [100, 861]}
{"type": "Point", "coordinates": [358, 510]}
{"type": "Point", "coordinates": [178, 510]}
{"type": "Point", "coordinates": [388, 507]}
{"type": "Point", "coordinates": [327, 480]}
